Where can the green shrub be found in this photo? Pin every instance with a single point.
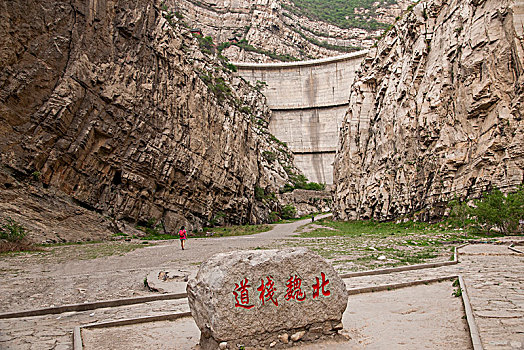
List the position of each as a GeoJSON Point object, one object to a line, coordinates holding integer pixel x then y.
{"type": "Point", "coordinates": [245, 109]}
{"type": "Point", "coordinates": [36, 175]}
{"type": "Point", "coordinates": [12, 231]}
{"type": "Point", "coordinates": [231, 67]}
{"type": "Point", "coordinates": [288, 212]}
{"type": "Point", "coordinates": [150, 227]}
{"type": "Point", "coordinates": [217, 219]}
{"type": "Point", "coordinates": [220, 89]}
{"type": "Point", "coordinates": [273, 217]}
{"type": "Point", "coordinates": [300, 182]}
{"type": "Point", "coordinates": [223, 45]}
{"type": "Point", "coordinates": [459, 214]}
{"type": "Point", "coordinates": [245, 45]}
{"type": "Point", "coordinates": [338, 12]}
{"type": "Point", "coordinates": [205, 43]}
{"type": "Point", "coordinates": [503, 212]}
{"type": "Point", "coordinates": [269, 156]}
{"type": "Point", "coordinates": [259, 193]}
{"type": "Point", "coordinates": [259, 85]}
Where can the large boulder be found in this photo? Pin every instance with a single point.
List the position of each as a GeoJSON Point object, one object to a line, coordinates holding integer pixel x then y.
{"type": "Point", "coordinates": [256, 298]}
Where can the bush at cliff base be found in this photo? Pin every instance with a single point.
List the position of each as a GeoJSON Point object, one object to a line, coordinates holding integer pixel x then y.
{"type": "Point", "coordinates": [493, 212]}
{"type": "Point", "coordinates": [13, 236]}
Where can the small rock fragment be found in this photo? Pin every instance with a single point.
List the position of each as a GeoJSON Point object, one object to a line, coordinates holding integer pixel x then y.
{"type": "Point", "coordinates": [272, 345]}
{"type": "Point", "coordinates": [222, 345]}
{"type": "Point", "coordinates": [338, 326]}
{"type": "Point", "coordinates": [284, 338]}
{"type": "Point", "coordinates": [298, 335]}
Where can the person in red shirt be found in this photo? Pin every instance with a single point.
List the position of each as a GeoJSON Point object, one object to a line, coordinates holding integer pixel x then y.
{"type": "Point", "coordinates": [183, 236]}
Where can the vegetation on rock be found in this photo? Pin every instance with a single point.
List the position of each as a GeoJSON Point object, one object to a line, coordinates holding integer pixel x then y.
{"type": "Point", "coordinates": [299, 181]}
{"type": "Point", "coordinates": [13, 236]}
{"type": "Point", "coordinates": [340, 12]}
{"type": "Point", "coordinates": [495, 211]}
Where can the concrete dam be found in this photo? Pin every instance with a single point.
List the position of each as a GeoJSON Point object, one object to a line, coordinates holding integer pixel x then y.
{"type": "Point", "coordinates": [308, 100]}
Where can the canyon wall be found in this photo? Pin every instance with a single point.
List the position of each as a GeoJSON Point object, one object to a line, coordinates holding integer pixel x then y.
{"type": "Point", "coordinates": [436, 112]}
{"type": "Point", "coordinates": [308, 101]}
{"type": "Point", "coordinates": [271, 28]}
{"type": "Point", "coordinates": [115, 107]}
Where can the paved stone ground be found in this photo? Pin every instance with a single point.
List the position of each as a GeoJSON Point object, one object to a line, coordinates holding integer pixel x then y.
{"type": "Point", "coordinates": [418, 317]}
{"type": "Point", "coordinates": [55, 331]}
{"type": "Point", "coordinates": [494, 276]}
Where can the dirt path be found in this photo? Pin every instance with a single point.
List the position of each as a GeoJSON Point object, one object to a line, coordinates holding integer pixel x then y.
{"type": "Point", "coordinates": [63, 276]}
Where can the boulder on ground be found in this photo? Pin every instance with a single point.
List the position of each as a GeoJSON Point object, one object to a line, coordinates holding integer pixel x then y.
{"type": "Point", "coordinates": [251, 298]}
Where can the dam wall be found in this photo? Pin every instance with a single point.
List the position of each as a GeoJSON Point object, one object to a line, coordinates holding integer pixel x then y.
{"type": "Point", "coordinates": [308, 100]}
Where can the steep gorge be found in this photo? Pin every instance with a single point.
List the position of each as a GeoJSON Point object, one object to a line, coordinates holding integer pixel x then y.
{"type": "Point", "coordinates": [108, 105]}
{"type": "Point", "coordinates": [435, 112]}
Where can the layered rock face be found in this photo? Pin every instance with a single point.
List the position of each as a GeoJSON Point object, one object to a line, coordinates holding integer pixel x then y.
{"type": "Point", "coordinates": [116, 107]}
{"type": "Point", "coordinates": [436, 112]}
{"type": "Point", "coordinates": [269, 27]}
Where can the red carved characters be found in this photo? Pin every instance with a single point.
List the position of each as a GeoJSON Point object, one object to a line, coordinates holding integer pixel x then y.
{"type": "Point", "coordinates": [267, 290]}
{"type": "Point", "coordinates": [294, 289]}
{"type": "Point", "coordinates": [244, 294]}
{"type": "Point", "coordinates": [318, 286]}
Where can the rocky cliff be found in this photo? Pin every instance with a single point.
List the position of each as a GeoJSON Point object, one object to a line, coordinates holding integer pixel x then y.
{"type": "Point", "coordinates": [435, 112]}
{"type": "Point", "coordinates": [271, 30]}
{"type": "Point", "coordinates": [113, 105]}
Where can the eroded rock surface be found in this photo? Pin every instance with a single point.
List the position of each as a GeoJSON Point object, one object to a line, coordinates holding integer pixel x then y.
{"type": "Point", "coordinates": [307, 201]}
{"type": "Point", "coordinates": [255, 298]}
{"type": "Point", "coordinates": [269, 25]}
{"type": "Point", "coordinates": [435, 112]}
{"type": "Point", "coordinates": [117, 107]}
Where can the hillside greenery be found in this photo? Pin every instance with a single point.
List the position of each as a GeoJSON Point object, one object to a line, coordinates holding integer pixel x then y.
{"type": "Point", "coordinates": [340, 12]}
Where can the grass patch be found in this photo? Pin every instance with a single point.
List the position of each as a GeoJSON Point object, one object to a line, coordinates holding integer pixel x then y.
{"type": "Point", "coordinates": [386, 229]}
{"type": "Point", "coordinates": [9, 248]}
{"type": "Point", "coordinates": [225, 231]}
{"type": "Point", "coordinates": [303, 217]}
{"type": "Point", "coordinates": [62, 244]}
{"type": "Point", "coordinates": [228, 231]}
{"type": "Point", "coordinates": [365, 245]}
{"type": "Point", "coordinates": [158, 236]}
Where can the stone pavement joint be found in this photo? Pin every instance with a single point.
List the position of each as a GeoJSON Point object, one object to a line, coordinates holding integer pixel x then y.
{"type": "Point", "coordinates": [93, 305]}
{"type": "Point", "coordinates": [470, 318]}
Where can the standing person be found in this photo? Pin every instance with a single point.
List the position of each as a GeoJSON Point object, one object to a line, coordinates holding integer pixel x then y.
{"type": "Point", "coordinates": [183, 235]}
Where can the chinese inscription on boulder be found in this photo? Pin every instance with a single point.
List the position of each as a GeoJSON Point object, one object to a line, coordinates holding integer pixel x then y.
{"type": "Point", "coordinates": [292, 290]}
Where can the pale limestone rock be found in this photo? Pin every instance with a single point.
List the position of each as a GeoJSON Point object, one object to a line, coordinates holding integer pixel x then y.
{"type": "Point", "coordinates": [224, 313]}
{"type": "Point", "coordinates": [284, 338]}
{"type": "Point", "coordinates": [435, 112]}
{"type": "Point", "coordinates": [298, 335]}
